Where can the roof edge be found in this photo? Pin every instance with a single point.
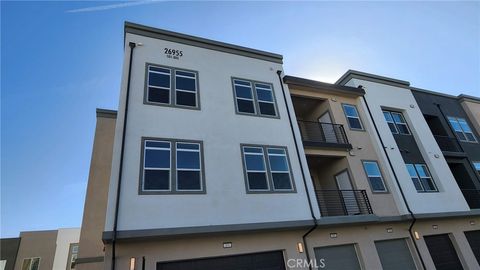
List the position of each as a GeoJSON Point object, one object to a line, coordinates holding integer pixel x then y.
{"type": "Point", "coordinates": [153, 32]}
{"type": "Point", "coordinates": [106, 113]}
{"type": "Point", "coordinates": [322, 85]}
{"type": "Point", "coordinates": [351, 73]}
{"type": "Point", "coordinates": [469, 98]}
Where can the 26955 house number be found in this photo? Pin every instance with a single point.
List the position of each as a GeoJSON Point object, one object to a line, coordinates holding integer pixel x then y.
{"type": "Point", "coordinates": [172, 53]}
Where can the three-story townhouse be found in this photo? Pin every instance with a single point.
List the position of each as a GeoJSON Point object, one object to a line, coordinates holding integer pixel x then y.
{"type": "Point", "coordinates": [216, 160]}
{"type": "Point", "coordinates": [204, 158]}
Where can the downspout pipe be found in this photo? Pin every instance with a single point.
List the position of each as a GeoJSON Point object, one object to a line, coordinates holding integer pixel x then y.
{"type": "Point", "coordinates": [304, 237]}
{"type": "Point", "coordinates": [132, 46]}
{"type": "Point", "coordinates": [456, 138]}
{"type": "Point", "coordinates": [412, 215]}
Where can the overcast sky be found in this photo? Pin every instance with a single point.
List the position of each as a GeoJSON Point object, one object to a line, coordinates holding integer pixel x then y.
{"type": "Point", "coordinates": [61, 60]}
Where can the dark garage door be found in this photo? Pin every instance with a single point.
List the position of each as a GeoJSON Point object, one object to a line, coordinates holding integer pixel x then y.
{"type": "Point", "coordinates": [395, 254]}
{"type": "Point", "coordinates": [261, 261]}
{"type": "Point", "coordinates": [443, 253]}
{"type": "Point", "coordinates": [473, 238]}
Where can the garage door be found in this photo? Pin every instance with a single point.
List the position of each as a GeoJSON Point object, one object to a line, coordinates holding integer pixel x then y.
{"type": "Point", "coordinates": [473, 238]}
{"type": "Point", "coordinates": [442, 252]}
{"type": "Point", "coordinates": [262, 261]}
{"type": "Point", "coordinates": [338, 257]}
{"type": "Point", "coordinates": [395, 254]}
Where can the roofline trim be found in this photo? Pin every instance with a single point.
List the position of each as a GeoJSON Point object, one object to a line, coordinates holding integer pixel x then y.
{"type": "Point", "coordinates": [292, 80]}
{"type": "Point", "coordinates": [371, 77]}
{"type": "Point", "coordinates": [152, 32]}
{"type": "Point", "coordinates": [106, 113]}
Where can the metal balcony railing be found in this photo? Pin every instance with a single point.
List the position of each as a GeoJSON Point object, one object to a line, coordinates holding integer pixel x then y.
{"type": "Point", "coordinates": [318, 133]}
{"type": "Point", "coordinates": [472, 196]}
{"type": "Point", "coordinates": [343, 202]}
{"type": "Point", "coordinates": [448, 144]}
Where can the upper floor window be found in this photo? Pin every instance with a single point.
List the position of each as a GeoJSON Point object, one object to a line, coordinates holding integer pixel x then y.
{"type": "Point", "coordinates": [422, 180]}
{"type": "Point", "coordinates": [396, 122]}
{"type": "Point", "coordinates": [267, 169]}
{"type": "Point", "coordinates": [477, 166]}
{"type": "Point", "coordinates": [353, 118]}
{"type": "Point", "coordinates": [374, 176]}
{"type": "Point", "coordinates": [172, 166]}
{"type": "Point", "coordinates": [172, 87]}
{"type": "Point", "coordinates": [31, 263]}
{"type": "Point", "coordinates": [462, 129]}
{"type": "Point", "coordinates": [254, 98]}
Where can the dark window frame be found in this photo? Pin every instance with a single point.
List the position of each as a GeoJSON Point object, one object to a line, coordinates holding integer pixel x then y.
{"type": "Point", "coordinates": [271, 187]}
{"type": "Point", "coordinates": [173, 87]}
{"type": "Point", "coordinates": [173, 168]}
{"type": "Point", "coordinates": [256, 101]}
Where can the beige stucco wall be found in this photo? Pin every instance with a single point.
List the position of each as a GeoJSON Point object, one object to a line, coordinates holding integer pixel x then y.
{"type": "Point", "coordinates": [37, 244]}
{"type": "Point", "coordinates": [472, 108]}
{"type": "Point", "coordinates": [362, 236]}
{"type": "Point", "coordinates": [91, 245]}
{"type": "Point", "coordinates": [383, 204]}
{"type": "Point", "coordinates": [205, 246]}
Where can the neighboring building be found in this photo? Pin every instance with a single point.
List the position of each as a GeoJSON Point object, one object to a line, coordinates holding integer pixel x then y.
{"type": "Point", "coordinates": [41, 250]}
{"type": "Point", "coordinates": [217, 160]}
{"type": "Point", "coordinates": [8, 253]}
{"type": "Point", "coordinates": [444, 217]}
{"type": "Point", "coordinates": [91, 252]}
{"type": "Point", "coordinates": [457, 138]}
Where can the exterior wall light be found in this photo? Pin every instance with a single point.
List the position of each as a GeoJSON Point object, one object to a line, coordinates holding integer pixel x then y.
{"type": "Point", "coordinates": [333, 235]}
{"type": "Point", "coordinates": [227, 244]}
{"type": "Point", "coordinates": [389, 230]}
{"type": "Point", "coordinates": [132, 263]}
{"type": "Point", "coordinates": [472, 222]}
{"type": "Point", "coordinates": [434, 227]}
{"type": "Point", "coordinates": [417, 235]}
{"type": "Point", "coordinates": [300, 247]}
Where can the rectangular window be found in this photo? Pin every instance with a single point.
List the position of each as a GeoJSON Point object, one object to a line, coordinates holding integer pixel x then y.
{"type": "Point", "coordinates": [374, 176]}
{"type": "Point", "coordinates": [279, 169]}
{"type": "Point", "coordinates": [244, 96]}
{"type": "Point", "coordinates": [391, 124]}
{"type": "Point", "coordinates": [188, 166]}
{"type": "Point", "coordinates": [462, 129]}
{"type": "Point", "coordinates": [421, 177]}
{"type": "Point", "coordinates": [353, 118]}
{"type": "Point", "coordinates": [171, 166]}
{"type": "Point", "coordinates": [267, 169]}
{"type": "Point", "coordinates": [31, 264]}
{"type": "Point", "coordinates": [255, 98]}
{"type": "Point", "coordinates": [477, 166]}
{"type": "Point", "coordinates": [160, 83]}
{"type": "Point", "coordinates": [396, 122]}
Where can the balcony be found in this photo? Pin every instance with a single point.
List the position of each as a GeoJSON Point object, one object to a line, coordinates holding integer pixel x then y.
{"type": "Point", "coordinates": [343, 202]}
{"type": "Point", "coordinates": [327, 135]}
{"type": "Point", "coordinates": [448, 144]}
{"type": "Point", "coordinates": [472, 196]}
